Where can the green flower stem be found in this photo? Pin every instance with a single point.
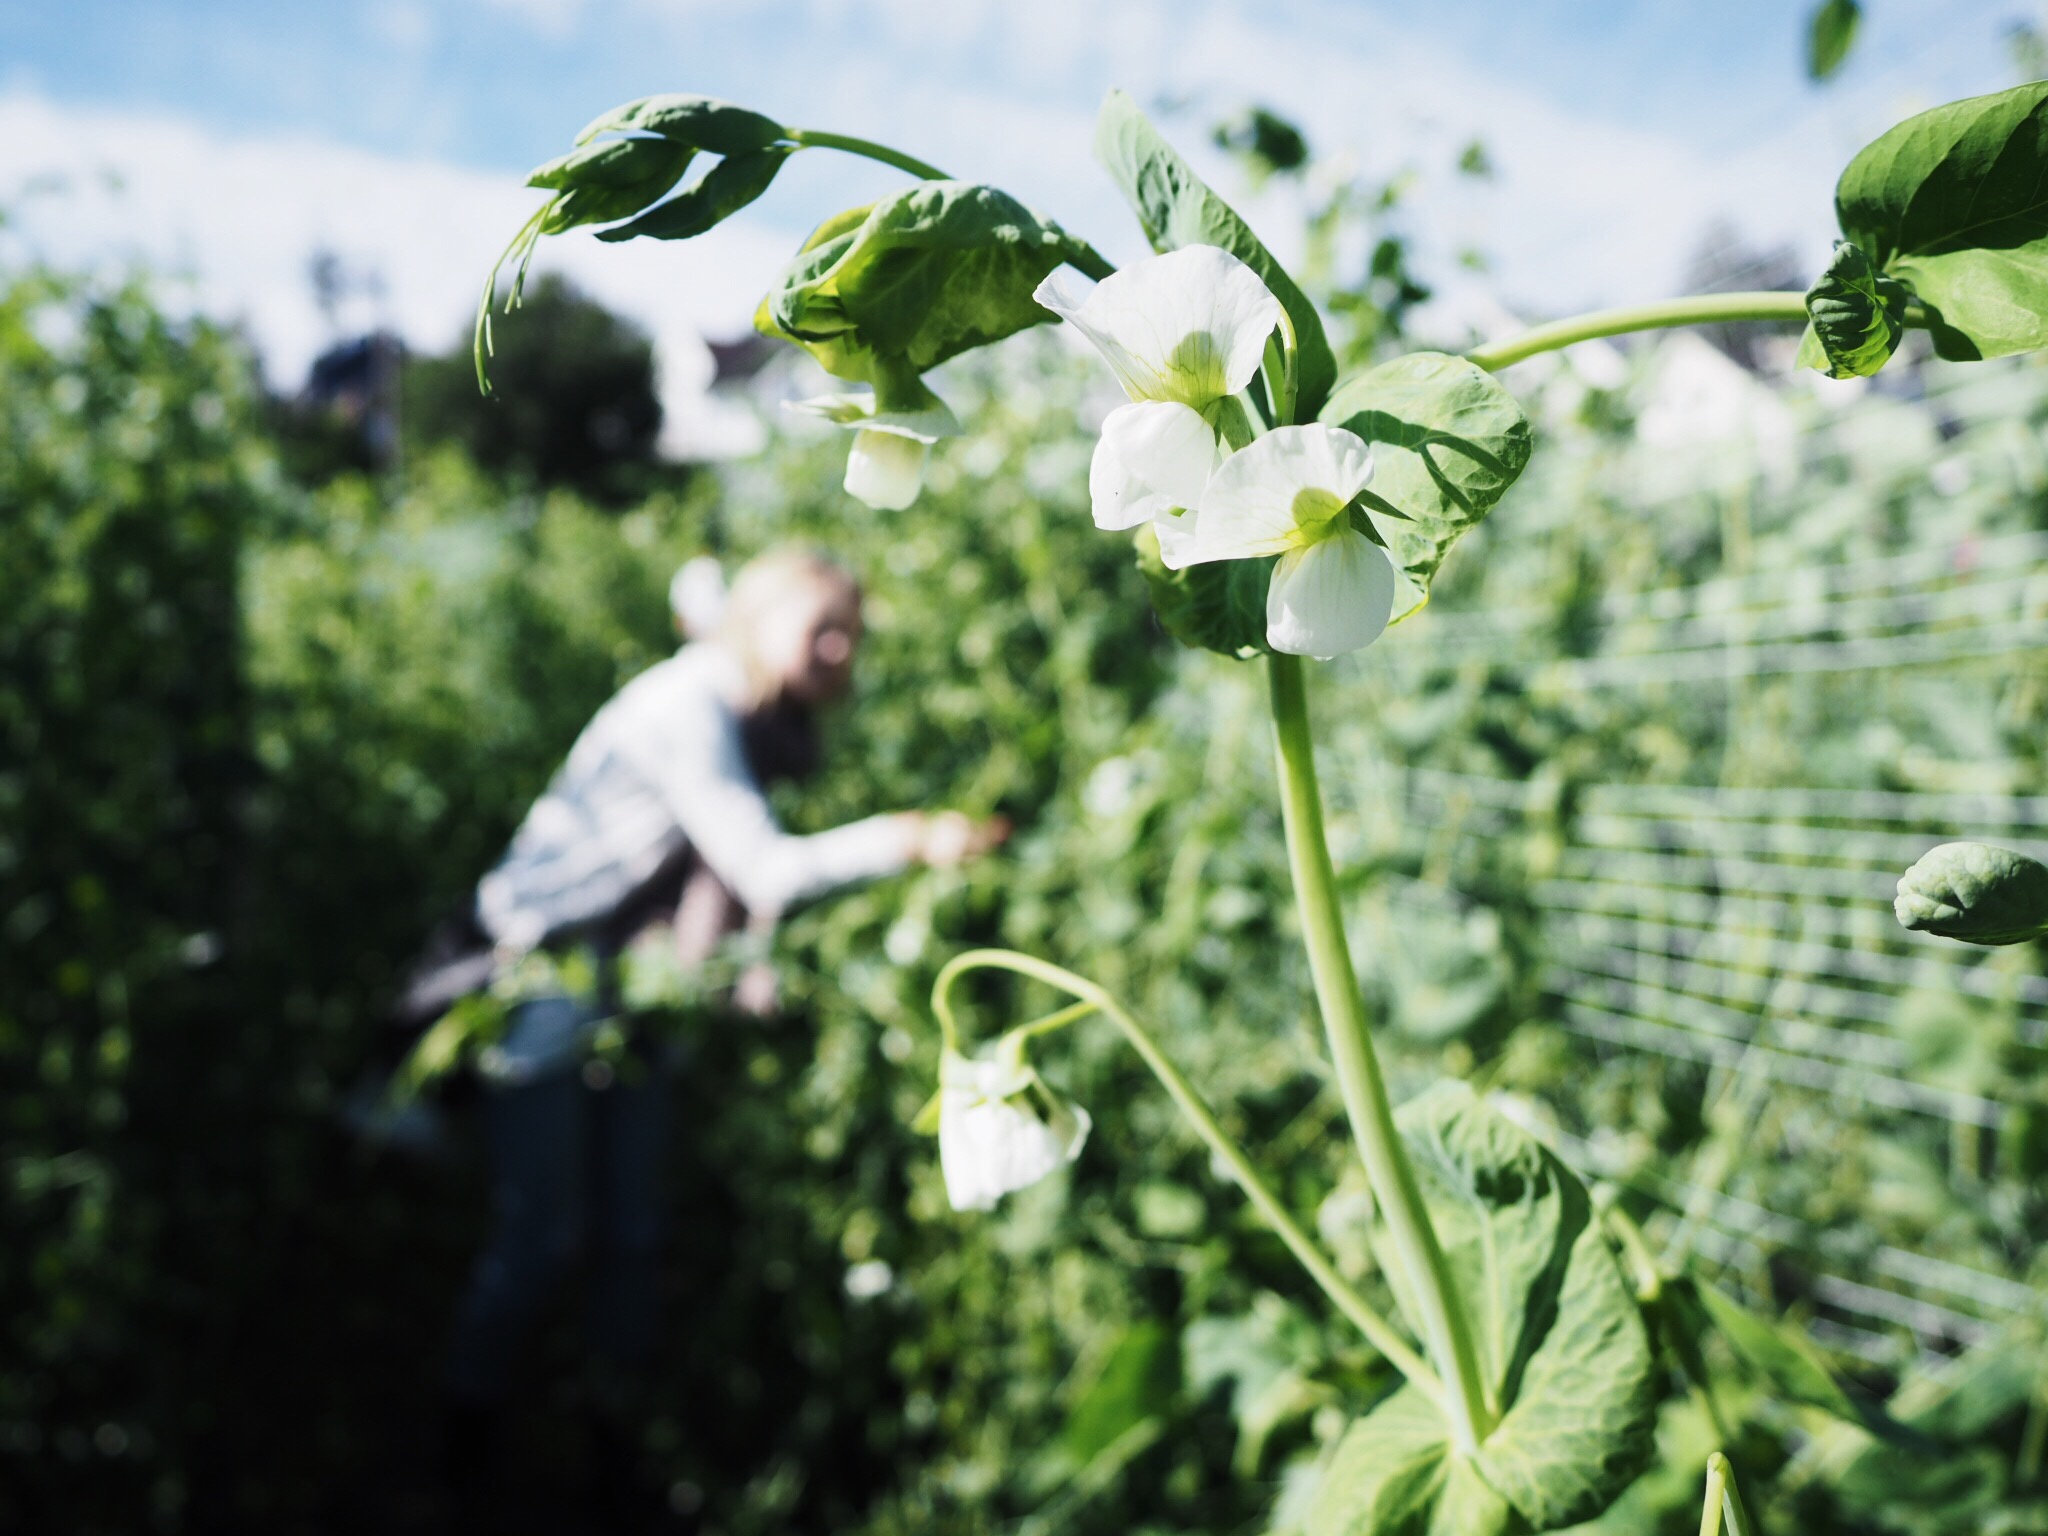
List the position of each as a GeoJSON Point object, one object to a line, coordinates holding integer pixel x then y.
{"type": "Point", "coordinates": [1723, 1510]}
{"type": "Point", "coordinates": [1073, 1013]}
{"type": "Point", "coordinates": [1442, 1323]}
{"type": "Point", "coordinates": [817, 138]}
{"type": "Point", "coordinates": [1635, 1251]}
{"type": "Point", "coordinates": [1380, 1333]}
{"type": "Point", "coordinates": [1089, 261]}
{"type": "Point", "coordinates": [1700, 309]}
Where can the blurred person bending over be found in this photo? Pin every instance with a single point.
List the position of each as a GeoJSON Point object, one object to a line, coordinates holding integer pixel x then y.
{"type": "Point", "coordinates": [661, 793]}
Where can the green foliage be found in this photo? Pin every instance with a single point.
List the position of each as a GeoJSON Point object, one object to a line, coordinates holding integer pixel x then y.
{"type": "Point", "coordinates": [1176, 208]}
{"type": "Point", "coordinates": [130, 484]}
{"type": "Point", "coordinates": [1268, 143]}
{"type": "Point", "coordinates": [1440, 975]}
{"type": "Point", "coordinates": [1219, 606]}
{"type": "Point", "coordinates": [1447, 440]}
{"type": "Point", "coordinates": [720, 193]}
{"type": "Point", "coordinates": [697, 122]}
{"type": "Point", "coordinates": [1951, 203]}
{"type": "Point", "coordinates": [1858, 317]}
{"type": "Point", "coordinates": [575, 403]}
{"type": "Point", "coordinates": [612, 180]}
{"type": "Point", "coordinates": [256, 740]}
{"type": "Point", "coordinates": [1135, 1387]}
{"type": "Point", "coordinates": [1776, 1352]}
{"type": "Point", "coordinates": [1562, 1348]}
{"type": "Point", "coordinates": [935, 270]}
{"type": "Point", "coordinates": [1830, 34]}
{"type": "Point", "coordinates": [600, 183]}
{"type": "Point", "coordinates": [1975, 892]}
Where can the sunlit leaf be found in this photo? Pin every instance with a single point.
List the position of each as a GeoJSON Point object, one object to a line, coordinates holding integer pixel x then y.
{"type": "Point", "coordinates": [1176, 208]}
{"type": "Point", "coordinates": [702, 122]}
{"type": "Point", "coordinates": [926, 274]}
{"type": "Point", "coordinates": [1447, 440]}
{"type": "Point", "coordinates": [1561, 1345]}
{"type": "Point", "coordinates": [1954, 203]}
{"type": "Point", "coordinates": [1858, 317]}
{"type": "Point", "coordinates": [614, 163]}
{"type": "Point", "coordinates": [719, 194]}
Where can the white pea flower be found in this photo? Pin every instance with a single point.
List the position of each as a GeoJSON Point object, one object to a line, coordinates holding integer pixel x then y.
{"type": "Point", "coordinates": [1287, 494]}
{"type": "Point", "coordinates": [1184, 332]}
{"type": "Point", "coordinates": [1000, 1128]}
{"type": "Point", "coordinates": [885, 467]}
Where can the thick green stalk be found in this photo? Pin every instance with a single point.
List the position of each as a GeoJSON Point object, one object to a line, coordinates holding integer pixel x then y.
{"type": "Point", "coordinates": [817, 138]}
{"type": "Point", "coordinates": [1442, 1323]}
{"type": "Point", "coordinates": [1723, 1510]}
{"type": "Point", "coordinates": [1086, 258]}
{"type": "Point", "coordinates": [1380, 1333]}
{"type": "Point", "coordinates": [1699, 309]}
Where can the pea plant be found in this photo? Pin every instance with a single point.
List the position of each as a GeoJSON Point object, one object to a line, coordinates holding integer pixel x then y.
{"type": "Point", "coordinates": [1284, 514]}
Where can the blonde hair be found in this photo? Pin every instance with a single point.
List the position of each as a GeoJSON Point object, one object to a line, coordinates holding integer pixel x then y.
{"type": "Point", "coordinates": [766, 584]}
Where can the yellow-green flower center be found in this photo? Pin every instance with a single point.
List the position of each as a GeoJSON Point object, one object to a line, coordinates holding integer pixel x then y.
{"type": "Point", "coordinates": [1317, 515]}
{"type": "Point", "coordinates": [1192, 373]}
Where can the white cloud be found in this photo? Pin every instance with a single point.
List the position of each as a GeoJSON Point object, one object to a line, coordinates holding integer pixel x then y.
{"type": "Point", "coordinates": [552, 19]}
{"type": "Point", "coordinates": [235, 222]}
{"type": "Point", "coordinates": [1583, 212]}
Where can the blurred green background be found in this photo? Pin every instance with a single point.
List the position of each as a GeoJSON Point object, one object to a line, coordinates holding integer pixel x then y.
{"type": "Point", "coordinates": [1616, 818]}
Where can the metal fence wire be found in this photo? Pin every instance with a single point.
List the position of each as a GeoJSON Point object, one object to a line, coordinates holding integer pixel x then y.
{"type": "Point", "coordinates": [1742, 931]}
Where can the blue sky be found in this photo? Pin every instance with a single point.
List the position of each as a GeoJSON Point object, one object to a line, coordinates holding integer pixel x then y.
{"type": "Point", "coordinates": [498, 83]}
{"type": "Point", "coordinates": [394, 131]}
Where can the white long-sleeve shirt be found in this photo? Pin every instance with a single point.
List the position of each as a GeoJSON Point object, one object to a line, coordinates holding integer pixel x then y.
{"type": "Point", "coordinates": [659, 767]}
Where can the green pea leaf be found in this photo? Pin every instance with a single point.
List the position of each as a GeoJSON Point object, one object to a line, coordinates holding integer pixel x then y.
{"type": "Point", "coordinates": [608, 181]}
{"type": "Point", "coordinates": [1394, 1474]}
{"type": "Point", "coordinates": [1779, 1354]}
{"type": "Point", "coordinates": [1958, 1411]}
{"type": "Point", "coordinates": [1954, 203]}
{"type": "Point", "coordinates": [1829, 36]}
{"type": "Point", "coordinates": [926, 274]}
{"type": "Point", "coordinates": [1220, 606]}
{"type": "Point", "coordinates": [1266, 1355]}
{"type": "Point", "coordinates": [1448, 442]}
{"type": "Point", "coordinates": [719, 194]}
{"type": "Point", "coordinates": [615, 163]}
{"type": "Point", "coordinates": [1562, 1348]}
{"type": "Point", "coordinates": [1176, 208]}
{"type": "Point", "coordinates": [1975, 892]}
{"type": "Point", "coordinates": [1137, 1380]}
{"type": "Point", "coordinates": [1858, 317]}
{"type": "Point", "coordinates": [702, 122]}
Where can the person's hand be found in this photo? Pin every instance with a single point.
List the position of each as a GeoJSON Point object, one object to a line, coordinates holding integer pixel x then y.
{"type": "Point", "coordinates": [758, 993]}
{"type": "Point", "coordinates": [946, 838]}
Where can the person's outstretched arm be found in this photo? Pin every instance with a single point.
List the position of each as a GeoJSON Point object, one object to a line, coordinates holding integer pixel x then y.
{"type": "Point", "coordinates": [699, 762]}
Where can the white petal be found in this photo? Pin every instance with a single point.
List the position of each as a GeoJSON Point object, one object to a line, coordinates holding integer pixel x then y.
{"type": "Point", "coordinates": [1153, 459]}
{"type": "Point", "coordinates": [885, 469]}
{"type": "Point", "coordinates": [1176, 536]}
{"type": "Point", "coordinates": [1190, 325]}
{"type": "Point", "coordinates": [1265, 496]}
{"type": "Point", "coordinates": [1335, 596]}
{"type": "Point", "coordinates": [1000, 1130]}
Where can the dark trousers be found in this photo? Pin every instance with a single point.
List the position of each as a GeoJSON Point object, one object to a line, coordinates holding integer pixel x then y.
{"type": "Point", "coordinates": [575, 1174]}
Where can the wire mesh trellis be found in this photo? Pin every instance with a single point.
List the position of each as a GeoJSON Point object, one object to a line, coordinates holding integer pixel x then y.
{"type": "Point", "coordinates": [1743, 929]}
